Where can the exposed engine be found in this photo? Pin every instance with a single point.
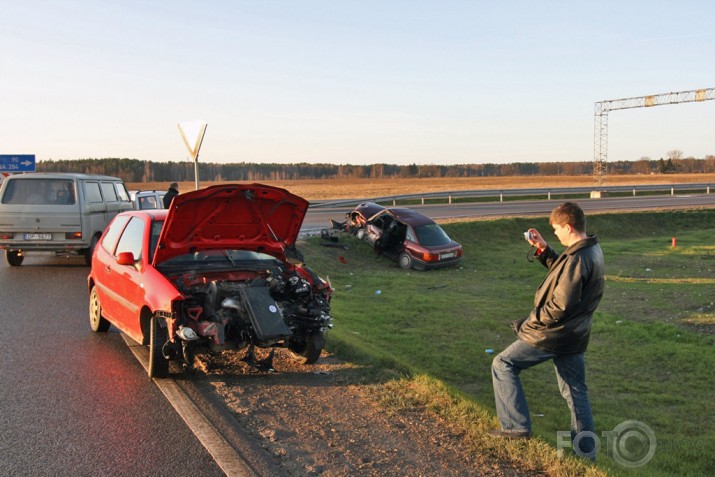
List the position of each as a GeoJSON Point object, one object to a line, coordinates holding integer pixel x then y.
{"type": "Point", "coordinates": [271, 308]}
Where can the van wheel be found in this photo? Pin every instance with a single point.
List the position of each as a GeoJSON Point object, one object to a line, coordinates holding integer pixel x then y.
{"type": "Point", "coordinates": [14, 257]}
{"type": "Point", "coordinates": [405, 261]}
{"type": "Point", "coordinates": [89, 251]}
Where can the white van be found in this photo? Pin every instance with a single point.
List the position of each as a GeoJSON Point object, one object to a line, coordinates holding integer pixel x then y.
{"type": "Point", "coordinates": [59, 212]}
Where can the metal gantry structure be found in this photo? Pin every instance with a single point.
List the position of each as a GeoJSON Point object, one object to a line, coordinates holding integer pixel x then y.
{"type": "Point", "coordinates": [602, 108]}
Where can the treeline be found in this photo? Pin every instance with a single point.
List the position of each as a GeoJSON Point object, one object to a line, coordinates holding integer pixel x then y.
{"type": "Point", "coordinates": [134, 170]}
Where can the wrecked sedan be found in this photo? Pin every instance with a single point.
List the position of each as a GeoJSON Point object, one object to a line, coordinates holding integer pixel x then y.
{"type": "Point", "coordinates": [405, 235]}
{"type": "Point", "coordinates": [218, 270]}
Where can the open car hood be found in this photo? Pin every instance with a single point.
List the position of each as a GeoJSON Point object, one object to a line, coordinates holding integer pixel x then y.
{"type": "Point", "coordinates": [232, 216]}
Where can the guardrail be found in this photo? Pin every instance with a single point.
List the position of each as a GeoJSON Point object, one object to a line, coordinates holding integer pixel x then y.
{"type": "Point", "coordinates": [546, 192]}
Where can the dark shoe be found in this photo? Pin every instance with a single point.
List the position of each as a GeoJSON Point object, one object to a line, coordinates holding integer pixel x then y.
{"type": "Point", "coordinates": [509, 434]}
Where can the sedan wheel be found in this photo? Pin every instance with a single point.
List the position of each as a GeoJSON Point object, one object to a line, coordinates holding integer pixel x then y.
{"type": "Point", "coordinates": [405, 261]}
{"type": "Point", "coordinates": [96, 321]}
{"type": "Point", "coordinates": [14, 257]}
{"type": "Point", "coordinates": [158, 364]}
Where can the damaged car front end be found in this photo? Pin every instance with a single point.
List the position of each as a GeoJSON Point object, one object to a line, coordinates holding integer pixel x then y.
{"type": "Point", "coordinates": [217, 271]}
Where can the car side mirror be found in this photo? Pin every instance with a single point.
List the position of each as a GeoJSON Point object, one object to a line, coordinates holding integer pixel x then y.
{"type": "Point", "coordinates": [125, 258]}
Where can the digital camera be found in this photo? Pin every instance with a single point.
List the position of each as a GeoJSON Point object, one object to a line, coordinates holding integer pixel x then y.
{"type": "Point", "coordinates": [528, 235]}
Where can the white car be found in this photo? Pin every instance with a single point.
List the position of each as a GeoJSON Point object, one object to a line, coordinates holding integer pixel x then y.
{"type": "Point", "coordinates": [147, 199]}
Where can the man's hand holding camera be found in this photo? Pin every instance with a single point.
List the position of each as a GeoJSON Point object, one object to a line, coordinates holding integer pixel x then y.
{"type": "Point", "coordinates": [535, 239]}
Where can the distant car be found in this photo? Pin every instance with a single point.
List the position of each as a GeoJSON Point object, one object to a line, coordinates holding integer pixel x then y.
{"type": "Point", "coordinates": [147, 199]}
{"type": "Point", "coordinates": [218, 270]}
{"type": "Point", "coordinates": [405, 235]}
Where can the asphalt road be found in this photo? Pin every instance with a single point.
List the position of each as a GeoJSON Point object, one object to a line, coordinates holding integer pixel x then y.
{"type": "Point", "coordinates": [73, 402]}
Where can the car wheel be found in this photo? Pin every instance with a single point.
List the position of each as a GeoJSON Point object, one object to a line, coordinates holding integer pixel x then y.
{"type": "Point", "coordinates": [405, 261]}
{"type": "Point", "coordinates": [310, 348]}
{"type": "Point", "coordinates": [97, 322]}
{"type": "Point", "coordinates": [14, 257]}
{"type": "Point", "coordinates": [89, 251]}
{"type": "Point", "coordinates": [158, 364]}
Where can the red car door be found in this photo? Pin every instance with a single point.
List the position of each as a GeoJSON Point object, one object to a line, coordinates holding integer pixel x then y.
{"type": "Point", "coordinates": [124, 282]}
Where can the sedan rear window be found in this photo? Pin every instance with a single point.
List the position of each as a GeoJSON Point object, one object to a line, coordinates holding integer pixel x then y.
{"type": "Point", "coordinates": [431, 235]}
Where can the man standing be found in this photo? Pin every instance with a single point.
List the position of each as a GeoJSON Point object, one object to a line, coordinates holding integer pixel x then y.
{"type": "Point", "coordinates": [170, 194]}
{"type": "Point", "coordinates": [557, 329]}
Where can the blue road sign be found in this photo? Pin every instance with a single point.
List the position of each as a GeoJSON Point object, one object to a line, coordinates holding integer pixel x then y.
{"type": "Point", "coordinates": [17, 163]}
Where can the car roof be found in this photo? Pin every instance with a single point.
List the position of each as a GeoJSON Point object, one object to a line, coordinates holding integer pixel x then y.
{"type": "Point", "coordinates": [62, 175]}
{"type": "Point", "coordinates": [409, 216]}
{"type": "Point", "coordinates": [155, 214]}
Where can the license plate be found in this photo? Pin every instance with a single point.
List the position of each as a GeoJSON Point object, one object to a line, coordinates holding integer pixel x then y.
{"type": "Point", "coordinates": [38, 236]}
{"type": "Point", "coordinates": [447, 255]}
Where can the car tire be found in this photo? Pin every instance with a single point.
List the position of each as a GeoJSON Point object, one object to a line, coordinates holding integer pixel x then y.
{"type": "Point", "coordinates": [308, 348]}
{"type": "Point", "coordinates": [158, 364]}
{"type": "Point", "coordinates": [14, 257]}
{"type": "Point", "coordinates": [88, 252]}
{"type": "Point", "coordinates": [313, 349]}
{"type": "Point", "coordinates": [97, 322]}
{"type": "Point", "coordinates": [405, 261]}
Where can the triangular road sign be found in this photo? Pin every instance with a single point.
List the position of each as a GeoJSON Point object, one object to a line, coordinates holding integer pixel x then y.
{"type": "Point", "coordinates": [193, 134]}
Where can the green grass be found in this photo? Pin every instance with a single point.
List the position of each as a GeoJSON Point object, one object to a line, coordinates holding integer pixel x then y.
{"type": "Point", "coordinates": [649, 358]}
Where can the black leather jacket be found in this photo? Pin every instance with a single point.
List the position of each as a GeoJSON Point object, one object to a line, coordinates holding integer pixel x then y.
{"type": "Point", "coordinates": [565, 301]}
{"type": "Point", "coordinates": [169, 196]}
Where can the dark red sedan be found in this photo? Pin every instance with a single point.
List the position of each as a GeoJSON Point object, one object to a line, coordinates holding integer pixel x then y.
{"type": "Point", "coordinates": [405, 235]}
{"type": "Point", "coordinates": [218, 270]}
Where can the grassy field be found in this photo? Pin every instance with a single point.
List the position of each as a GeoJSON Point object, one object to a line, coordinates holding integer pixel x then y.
{"type": "Point", "coordinates": [353, 188]}
{"type": "Point", "coordinates": [650, 360]}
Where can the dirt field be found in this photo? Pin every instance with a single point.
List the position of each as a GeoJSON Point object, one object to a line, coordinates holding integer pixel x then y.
{"type": "Point", "coordinates": [319, 420]}
{"type": "Point", "coordinates": [353, 188]}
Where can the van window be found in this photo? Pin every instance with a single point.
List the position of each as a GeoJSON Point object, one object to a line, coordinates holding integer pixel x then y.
{"type": "Point", "coordinates": [109, 192]}
{"type": "Point", "coordinates": [92, 192]}
{"type": "Point", "coordinates": [122, 192]}
{"type": "Point", "coordinates": [39, 191]}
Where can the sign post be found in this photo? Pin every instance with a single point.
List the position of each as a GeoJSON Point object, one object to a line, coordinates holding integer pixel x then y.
{"type": "Point", "coordinates": [17, 163]}
{"type": "Point", "coordinates": [193, 134]}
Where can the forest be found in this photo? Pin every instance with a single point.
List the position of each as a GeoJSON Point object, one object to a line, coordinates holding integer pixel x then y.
{"type": "Point", "coordinates": [134, 170]}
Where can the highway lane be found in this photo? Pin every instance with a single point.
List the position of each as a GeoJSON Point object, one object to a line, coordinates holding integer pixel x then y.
{"type": "Point", "coordinates": [73, 402]}
{"type": "Point", "coordinates": [319, 218]}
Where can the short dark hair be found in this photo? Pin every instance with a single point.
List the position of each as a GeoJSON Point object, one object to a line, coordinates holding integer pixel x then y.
{"type": "Point", "coordinates": [569, 213]}
{"type": "Point", "coordinates": [173, 185]}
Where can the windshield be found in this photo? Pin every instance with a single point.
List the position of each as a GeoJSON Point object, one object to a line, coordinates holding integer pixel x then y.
{"type": "Point", "coordinates": [431, 235]}
{"type": "Point", "coordinates": [222, 258]}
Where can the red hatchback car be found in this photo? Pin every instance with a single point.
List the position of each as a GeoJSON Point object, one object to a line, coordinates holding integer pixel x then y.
{"type": "Point", "coordinates": [405, 235]}
{"type": "Point", "coordinates": [218, 270]}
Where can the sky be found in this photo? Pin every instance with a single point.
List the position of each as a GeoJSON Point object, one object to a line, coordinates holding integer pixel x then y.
{"type": "Point", "coordinates": [352, 82]}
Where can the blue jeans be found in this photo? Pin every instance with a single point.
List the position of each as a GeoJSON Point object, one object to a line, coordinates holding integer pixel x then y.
{"type": "Point", "coordinates": [512, 408]}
